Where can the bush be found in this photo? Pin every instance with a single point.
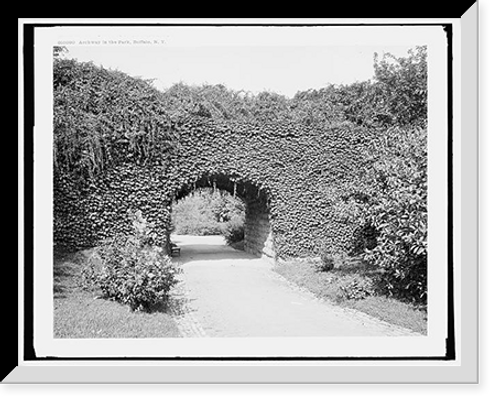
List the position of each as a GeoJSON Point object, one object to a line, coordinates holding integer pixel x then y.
{"type": "Point", "coordinates": [129, 270]}
{"type": "Point", "coordinates": [397, 210]}
{"type": "Point", "coordinates": [409, 284]}
{"type": "Point", "coordinates": [234, 231]}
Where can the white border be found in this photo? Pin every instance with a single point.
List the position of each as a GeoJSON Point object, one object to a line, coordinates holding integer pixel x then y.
{"type": "Point", "coordinates": [45, 345]}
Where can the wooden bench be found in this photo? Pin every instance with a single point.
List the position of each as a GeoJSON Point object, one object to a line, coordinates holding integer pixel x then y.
{"type": "Point", "coordinates": [174, 249]}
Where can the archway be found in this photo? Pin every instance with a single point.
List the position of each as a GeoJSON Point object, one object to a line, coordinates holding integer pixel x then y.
{"type": "Point", "coordinates": [258, 238]}
{"type": "Point", "coordinates": [293, 179]}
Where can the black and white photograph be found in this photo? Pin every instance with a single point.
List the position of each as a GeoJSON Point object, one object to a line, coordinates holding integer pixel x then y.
{"type": "Point", "coordinates": [228, 190]}
{"type": "Point", "coordinates": [209, 188]}
{"type": "Point", "coordinates": [239, 192]}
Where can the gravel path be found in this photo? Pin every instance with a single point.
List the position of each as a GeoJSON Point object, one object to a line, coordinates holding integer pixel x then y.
{"type": "Point", "coordinates": [228, 293]}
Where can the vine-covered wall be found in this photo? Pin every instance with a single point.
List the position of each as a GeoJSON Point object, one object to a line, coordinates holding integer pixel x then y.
{"type": "Point", "coordinates": [296, 172]}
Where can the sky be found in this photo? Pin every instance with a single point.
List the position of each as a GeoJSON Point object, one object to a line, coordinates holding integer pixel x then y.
{"type": "Point", "coordinates": [283, 59]}
{"type": "Point", "coordinates": [284, 69]}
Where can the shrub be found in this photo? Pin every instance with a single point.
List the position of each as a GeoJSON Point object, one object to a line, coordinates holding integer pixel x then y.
{"type": "Point", "coordinates": [397, 211]}
{"type": "Point", "coordinates": [128, 269]}
{"type": "Point", "coordinates": [234, 231]}
{"type": "Point", "coordinates": [408, 285]}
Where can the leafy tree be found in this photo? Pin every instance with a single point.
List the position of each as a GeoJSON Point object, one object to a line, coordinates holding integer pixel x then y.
{"type": "Point", "coordinates": [397, 95]}
{"type": "Point", "coordinates": [404, 82]}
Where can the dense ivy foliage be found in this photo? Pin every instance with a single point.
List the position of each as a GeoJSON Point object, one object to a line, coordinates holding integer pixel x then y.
{"type": "Point", "coordinates": [103, 116]}
{"type": "Point", "coordinates": [276, 160]}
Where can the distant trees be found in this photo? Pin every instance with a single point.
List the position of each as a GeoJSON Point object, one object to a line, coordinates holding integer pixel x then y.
{"type": "Point", "coordinates": [207, 212]}
{"type": "Point", "coordinates": [403, 83]}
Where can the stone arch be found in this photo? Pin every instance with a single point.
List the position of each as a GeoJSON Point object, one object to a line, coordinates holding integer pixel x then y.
{"type": "Point", "coordinates": [258, 223]}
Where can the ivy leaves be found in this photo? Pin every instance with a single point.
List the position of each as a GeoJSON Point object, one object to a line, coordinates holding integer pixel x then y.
{"type": "Point", "coordinates": [103, 117]}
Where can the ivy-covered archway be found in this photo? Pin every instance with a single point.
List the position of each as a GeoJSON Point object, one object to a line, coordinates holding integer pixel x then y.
{"type": "Point", "coordinates": [292, 174]}
{"type": "Point", "coordinates": [258, 234]}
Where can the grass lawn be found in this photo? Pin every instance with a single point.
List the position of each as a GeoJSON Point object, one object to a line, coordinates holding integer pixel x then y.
{"type": "Point", "coordinates": [327, 285]}
{"type": "Point", "coordinates": [83, 314]}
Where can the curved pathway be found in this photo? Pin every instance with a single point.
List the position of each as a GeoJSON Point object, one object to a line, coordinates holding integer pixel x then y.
{"type": "Point", "coordinates": [228, 293]}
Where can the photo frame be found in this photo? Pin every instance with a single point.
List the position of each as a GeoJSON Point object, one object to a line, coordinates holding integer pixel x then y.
{"type": "Point", "coordinates": [444, 350]}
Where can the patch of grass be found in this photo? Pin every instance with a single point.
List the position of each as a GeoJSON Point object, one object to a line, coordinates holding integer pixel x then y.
{"type": "Point", "coordinates": [392, 311]}
{"type": "Point", "coordinates": [332, 286]}
{"type": "Point", "coordinates": [83, 314]}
